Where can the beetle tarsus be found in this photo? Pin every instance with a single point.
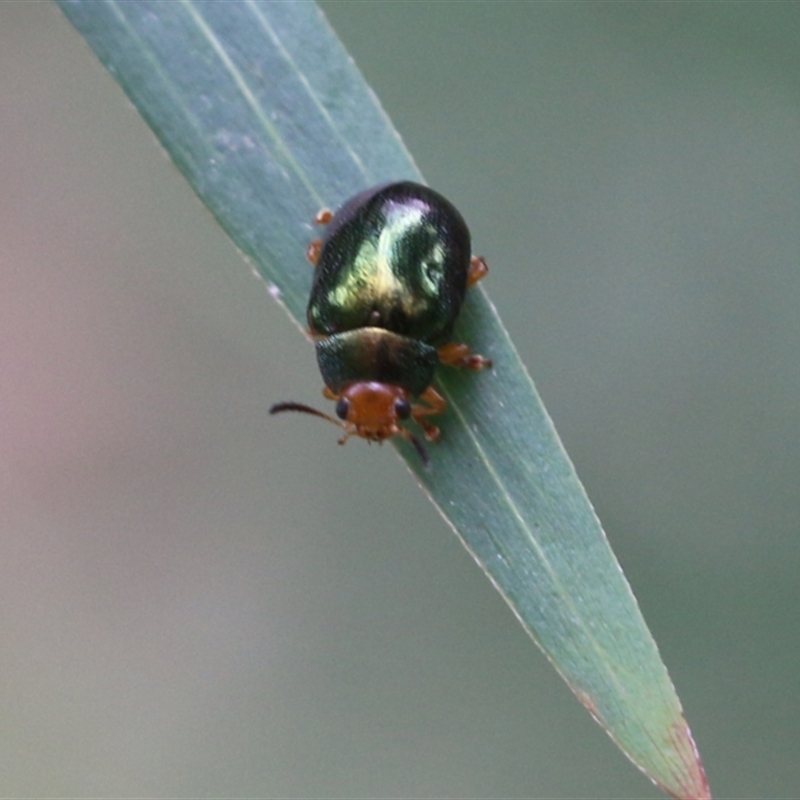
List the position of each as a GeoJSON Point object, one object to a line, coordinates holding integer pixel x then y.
{"type": "Point", "coordinates": [459, 355]}
{"type": "Point", "coordinates": [478, 270]}
{"type": "Point", "coordinates": [313, 251]}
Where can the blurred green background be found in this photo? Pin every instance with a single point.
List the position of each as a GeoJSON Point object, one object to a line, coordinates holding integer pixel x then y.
{"type": "Point", "coordinates": [199, 600]}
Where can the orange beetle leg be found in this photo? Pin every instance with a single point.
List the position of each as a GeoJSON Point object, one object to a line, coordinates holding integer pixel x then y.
{"type": "Point", "coordinates": [435, 404]}
{"type": "Point", "coordinates": [313, 251]}
{"type": "Point", "coordinates": [459, 355]}
{"type": "Point", "coordinates": [478, 269]}
{"type": "Point", "coordinates": [323, 217]}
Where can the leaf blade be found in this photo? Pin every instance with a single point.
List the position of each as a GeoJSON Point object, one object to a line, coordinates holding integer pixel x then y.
{"type": "Point", "coordinates": [265, 136]}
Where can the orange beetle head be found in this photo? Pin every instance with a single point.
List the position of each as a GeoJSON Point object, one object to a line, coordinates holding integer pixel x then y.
{"type": "Point", "coordinates": [373, 410]}
{"type": "Point", "coordinates": [367, 409]}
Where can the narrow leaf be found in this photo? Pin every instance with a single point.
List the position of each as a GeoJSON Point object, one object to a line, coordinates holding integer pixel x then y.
{"type": "Point", "coordinates": [262, 110]}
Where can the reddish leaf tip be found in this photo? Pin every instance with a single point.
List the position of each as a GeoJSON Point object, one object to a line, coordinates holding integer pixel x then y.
{"type": "Point", "coordinates": [691, 783]}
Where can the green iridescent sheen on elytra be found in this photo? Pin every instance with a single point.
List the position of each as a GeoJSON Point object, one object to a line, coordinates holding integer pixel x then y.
{"type": "Point", "coordinates": [395, 259]}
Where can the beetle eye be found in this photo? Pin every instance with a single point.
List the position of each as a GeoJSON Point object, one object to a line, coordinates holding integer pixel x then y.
{"type": "Point", "coordinates": [342, 407]}
{"type": "Point", "coordinates": [402, 408]}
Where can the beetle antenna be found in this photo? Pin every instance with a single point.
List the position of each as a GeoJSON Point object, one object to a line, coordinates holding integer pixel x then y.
{"type": "Point", "coordinates": [423, 453]}
{"type": "Point", "coordinates": [291, 406]}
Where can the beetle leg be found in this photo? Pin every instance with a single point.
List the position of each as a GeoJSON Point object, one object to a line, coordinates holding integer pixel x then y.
{"type": "Point", "coordinates": [323, 217]}
{"type": "Point", "coordinates": [313, 250]}
{"type": "Point", "coordinates": [458, 355]}
{"type": "Point", "coordinates": [435, 404]}
{"type": "Point", "coordinates": [478, 269]}
{"type": "Point", "coordinates": [329, 394]}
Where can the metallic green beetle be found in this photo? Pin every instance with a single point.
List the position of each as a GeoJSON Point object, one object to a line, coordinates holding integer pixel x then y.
{"type": "Point", "coordinates": [391, 274]}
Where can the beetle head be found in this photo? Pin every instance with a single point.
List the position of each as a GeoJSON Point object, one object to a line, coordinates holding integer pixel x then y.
{"type": "Point", "coordinates": [373, 410]}
{"type": "Point", "coordinates": [367, 409]}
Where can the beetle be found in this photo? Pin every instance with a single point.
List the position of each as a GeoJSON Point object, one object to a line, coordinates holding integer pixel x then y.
{"type": "Point", "coordinates": [391, 274]}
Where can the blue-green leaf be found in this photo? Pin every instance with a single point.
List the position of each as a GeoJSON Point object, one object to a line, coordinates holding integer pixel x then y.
{"type": "Point", "coordinates": [262, 110]}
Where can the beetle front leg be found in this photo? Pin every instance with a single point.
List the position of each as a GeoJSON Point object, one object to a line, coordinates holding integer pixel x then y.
{"type": "Point", "coordinates": [459, 355]}
{"type": "Point", "coordinates": [435, 404]}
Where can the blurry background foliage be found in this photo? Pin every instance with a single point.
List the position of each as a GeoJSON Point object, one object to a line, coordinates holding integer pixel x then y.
{"type": "Point", "coordinates": [184, 612]}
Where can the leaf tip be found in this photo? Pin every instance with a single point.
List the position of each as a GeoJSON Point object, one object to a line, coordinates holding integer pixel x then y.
{"type": "Point", "coordinates": [698, 787]}
{"type": "Point", "coordinates": [690, 781]}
